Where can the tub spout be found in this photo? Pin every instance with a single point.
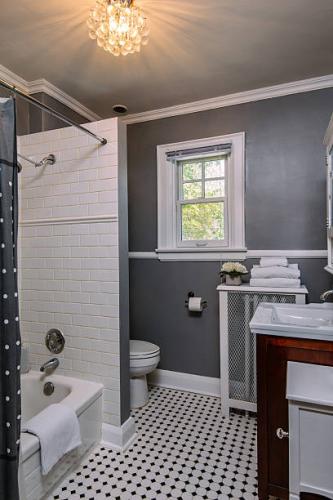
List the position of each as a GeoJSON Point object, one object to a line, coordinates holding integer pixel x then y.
{"type": "Point", "coordinates": [52, 364]}
{"type": "Point", "coordinates": [324, 296]}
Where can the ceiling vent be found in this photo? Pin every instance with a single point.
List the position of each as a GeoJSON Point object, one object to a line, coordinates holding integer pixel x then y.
{"type": "Point", "coordinates": [120, 109]}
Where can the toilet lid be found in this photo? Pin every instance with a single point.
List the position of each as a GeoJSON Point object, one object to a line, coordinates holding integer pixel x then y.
{"type": "Point", "coordinates": [142, 349]}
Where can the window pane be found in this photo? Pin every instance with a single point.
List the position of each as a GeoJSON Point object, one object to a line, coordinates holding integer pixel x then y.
{"type": "Point", "coordinates": [214, 167]}
{"type": "Point", "coordinates": [192, 190]}
{"type": "Point", "coordinates": [214, 189]}
{"type": "Point", "coordinates": [192, 171]}
{"type": "Point", "coordinates": [203, 221]}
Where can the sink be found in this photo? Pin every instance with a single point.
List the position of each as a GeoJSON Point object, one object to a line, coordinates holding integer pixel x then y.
{"type": "Point", "coordinates": [292, 320]}
{"type": "Point", "coordinates": [300, 316]}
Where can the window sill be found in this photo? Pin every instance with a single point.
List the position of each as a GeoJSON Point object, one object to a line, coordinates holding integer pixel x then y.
{"type": "Point", "coordinates": [200, 254]}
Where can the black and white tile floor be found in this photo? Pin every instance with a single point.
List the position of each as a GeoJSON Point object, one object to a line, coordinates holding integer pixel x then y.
{"type": "Point", "coordinates": [184, 450]}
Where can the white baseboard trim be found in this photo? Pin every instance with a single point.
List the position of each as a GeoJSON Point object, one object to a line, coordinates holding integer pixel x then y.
{"type": "Point", "coordinates": [118, 438]}
{"type": "Point", "coordinates": [186, 382]}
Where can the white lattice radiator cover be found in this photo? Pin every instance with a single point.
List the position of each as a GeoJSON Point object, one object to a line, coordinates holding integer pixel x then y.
{"type": "Point", "coordinates": [238, 344]}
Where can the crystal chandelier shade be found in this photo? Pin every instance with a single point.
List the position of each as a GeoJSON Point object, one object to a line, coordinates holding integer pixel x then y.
{"type": "Point", "coordinates": [118, 26]}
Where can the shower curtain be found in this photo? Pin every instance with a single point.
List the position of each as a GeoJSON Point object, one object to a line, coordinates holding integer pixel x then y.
{"type": "Point", "coordinates": [10, 344]}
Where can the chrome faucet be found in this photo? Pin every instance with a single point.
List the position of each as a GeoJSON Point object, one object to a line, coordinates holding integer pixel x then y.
{"type": "Point", "coordinates": [51, 364]}
{"type": "Point", "coordinates": [324, 296]}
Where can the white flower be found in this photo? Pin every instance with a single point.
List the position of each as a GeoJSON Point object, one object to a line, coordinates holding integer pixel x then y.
{"type": "Point", "coordinates": [233, 268]}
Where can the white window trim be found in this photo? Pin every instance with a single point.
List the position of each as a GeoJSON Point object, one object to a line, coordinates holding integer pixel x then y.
{"type": "Point", "coordinates": [167, 187]}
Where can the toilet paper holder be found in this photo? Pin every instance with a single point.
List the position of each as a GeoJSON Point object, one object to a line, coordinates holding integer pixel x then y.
{"type": "Point", "coordinates": [203, 303]}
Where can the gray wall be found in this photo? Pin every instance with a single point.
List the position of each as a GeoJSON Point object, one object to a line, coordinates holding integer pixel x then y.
{"type": "Point", "coordinates": [41, 120]}
{"type": "Point", "coordinates": [124, 275]}
{"type": "Point", "coordinates": [22, 113]}
{"type": "Point", "coordinates": [30, 119]}
{"type": "Point", "coordinates": [285, 209]}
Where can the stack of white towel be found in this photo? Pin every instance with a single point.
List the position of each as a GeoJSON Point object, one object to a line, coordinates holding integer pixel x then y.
{"type": "Point", "coordinates": [275, 272]}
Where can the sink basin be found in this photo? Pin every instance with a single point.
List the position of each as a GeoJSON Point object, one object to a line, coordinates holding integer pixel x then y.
{"type": "Point", "coordinates": [292, 320]}
{"type": "Point", "coordinates": [301, 316]}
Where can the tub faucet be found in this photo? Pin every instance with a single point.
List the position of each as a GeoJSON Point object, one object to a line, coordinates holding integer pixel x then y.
{"type": "Point", "coordinates": [324, 296]}
{"type": "Point", "coordinates": [51, 364]}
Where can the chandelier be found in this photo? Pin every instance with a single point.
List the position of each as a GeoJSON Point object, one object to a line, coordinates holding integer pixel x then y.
{"type": "Point", "coordinates": [118, 26]}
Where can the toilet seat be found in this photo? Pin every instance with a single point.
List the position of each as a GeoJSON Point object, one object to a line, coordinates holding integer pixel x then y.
{"type": "Point", "coordinates": [139, 349]}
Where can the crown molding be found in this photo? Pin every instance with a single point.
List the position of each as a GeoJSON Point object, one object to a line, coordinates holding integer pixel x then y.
{"type": "Point", "coordinates": [42, 85]}
{"type": "Point", "coordinates": [13, 79]}
{"type": "Point", "coordinates": [297, 87]}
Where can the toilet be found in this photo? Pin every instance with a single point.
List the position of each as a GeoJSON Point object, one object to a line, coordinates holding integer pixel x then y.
{"type": "Point", "coordinates": [144, 358]}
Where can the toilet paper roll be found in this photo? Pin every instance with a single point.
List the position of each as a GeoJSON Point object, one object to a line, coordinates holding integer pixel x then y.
{"type": "Point", "coordinates": [195, 304]}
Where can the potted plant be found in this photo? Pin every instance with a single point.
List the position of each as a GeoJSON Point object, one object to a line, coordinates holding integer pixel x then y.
{"type": "Point", "coordinates": [233, 272]}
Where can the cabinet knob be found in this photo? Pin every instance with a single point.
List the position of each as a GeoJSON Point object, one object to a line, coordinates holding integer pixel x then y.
{"type": "Point", "coordinates": [281, 434]}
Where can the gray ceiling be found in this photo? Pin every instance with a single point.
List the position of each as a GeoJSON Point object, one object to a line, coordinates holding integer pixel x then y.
{"type": "Point", "coordinates": [197, 49]}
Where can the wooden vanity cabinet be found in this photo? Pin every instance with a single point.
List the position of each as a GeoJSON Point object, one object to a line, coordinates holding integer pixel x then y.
{"type": "Point", "coordinates": [273, 353]}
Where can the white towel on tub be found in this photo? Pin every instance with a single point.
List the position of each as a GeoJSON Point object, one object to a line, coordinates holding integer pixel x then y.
{"type": "Point", "coordinates": [58, 430]}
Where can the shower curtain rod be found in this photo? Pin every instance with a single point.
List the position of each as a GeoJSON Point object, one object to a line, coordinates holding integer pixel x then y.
{"type": "Point", "coordinates": [48, 160]}
{"type": "Point", "coordinates": [52, 112]}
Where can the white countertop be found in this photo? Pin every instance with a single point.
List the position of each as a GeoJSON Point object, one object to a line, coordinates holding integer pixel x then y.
{"type": "Point", "coordinates": [262, 323]}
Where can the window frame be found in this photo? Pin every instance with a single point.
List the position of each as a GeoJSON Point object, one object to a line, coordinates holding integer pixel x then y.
{"type": "Point", "coordinates": [180, 202]}
{"type": "Point", "coordinates": [167, 196]}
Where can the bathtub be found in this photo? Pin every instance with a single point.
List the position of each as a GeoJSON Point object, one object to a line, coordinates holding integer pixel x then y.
{"type": "Point", "coordinates": [86, 400]}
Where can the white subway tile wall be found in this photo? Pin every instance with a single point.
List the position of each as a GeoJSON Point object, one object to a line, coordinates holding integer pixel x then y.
{"type": "Point", "coordinates": [69, 269]}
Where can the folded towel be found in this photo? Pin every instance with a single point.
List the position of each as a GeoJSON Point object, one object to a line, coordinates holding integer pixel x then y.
{"type": "Point", "coordinates": [58, 430]}
{"type": "Point", "coordinates": [275, 282]}
{"type": "Point", "coordinates": [292, 266]}
{"type": "Point", "coordinates": [273, 261]}
{"type": "Point", "coordinates": [275, 272]}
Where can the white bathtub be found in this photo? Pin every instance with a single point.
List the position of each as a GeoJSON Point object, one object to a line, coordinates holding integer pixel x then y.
{"type": "Point", "coordinates": [86, 400]}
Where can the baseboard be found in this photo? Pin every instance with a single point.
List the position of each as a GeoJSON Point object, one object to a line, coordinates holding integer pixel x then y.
{"type": "Point", "coordinates": [119, 438]}
{"type": "Point", "coordinates": [186, 382]}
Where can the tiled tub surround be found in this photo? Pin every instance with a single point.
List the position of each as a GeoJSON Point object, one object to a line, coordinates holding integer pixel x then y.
{"type": "Point", "coordinates": [69, 254]}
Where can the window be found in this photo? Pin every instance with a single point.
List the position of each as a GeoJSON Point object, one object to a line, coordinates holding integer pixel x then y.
{"type": "Point", "coordinates": [201, 214]}
{"type": "Point", "coordinates": [201, 199]}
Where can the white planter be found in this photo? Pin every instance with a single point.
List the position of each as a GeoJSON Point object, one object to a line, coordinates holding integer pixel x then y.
{"type": "Point", "coordinates": [233, 280]}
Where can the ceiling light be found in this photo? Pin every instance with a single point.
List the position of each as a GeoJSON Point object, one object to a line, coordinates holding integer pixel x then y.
{"type": "Point", "coordinates": [118, 26]}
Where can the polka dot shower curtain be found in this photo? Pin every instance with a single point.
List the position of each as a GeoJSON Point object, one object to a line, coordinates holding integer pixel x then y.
{"type": "Point", "coordinates": [10, 351]}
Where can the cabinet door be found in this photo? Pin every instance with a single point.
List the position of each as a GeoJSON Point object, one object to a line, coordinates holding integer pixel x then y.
{"type": "Point", "coordinates": [277, 415]}
{"type": "Point", "coordinates": [273, 453]}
